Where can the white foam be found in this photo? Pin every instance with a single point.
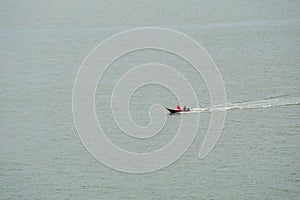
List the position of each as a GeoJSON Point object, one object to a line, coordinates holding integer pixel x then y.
{"type": "Point", "coordinates": [251, 105]}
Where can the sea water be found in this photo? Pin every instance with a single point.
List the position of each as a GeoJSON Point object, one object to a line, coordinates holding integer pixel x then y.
{"type": "Point", "coordinates": [256, 47]}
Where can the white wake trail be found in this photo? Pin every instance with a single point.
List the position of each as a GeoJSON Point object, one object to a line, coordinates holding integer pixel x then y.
{"type": "Point", "coordinates": [253, 104]}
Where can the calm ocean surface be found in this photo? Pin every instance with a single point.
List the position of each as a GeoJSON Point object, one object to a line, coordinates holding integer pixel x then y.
{"type": "Point", "coordinates": [256, 46]}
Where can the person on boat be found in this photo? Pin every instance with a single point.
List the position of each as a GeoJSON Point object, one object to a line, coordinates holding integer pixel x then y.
{"type": "Point", "coordinates": [184, 108]}
{"type": "Point", "coordinates": [178, 108]}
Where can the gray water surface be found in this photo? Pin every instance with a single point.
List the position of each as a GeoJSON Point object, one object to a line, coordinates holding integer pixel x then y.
{"type": "Point", "coordinates": [256, 46]}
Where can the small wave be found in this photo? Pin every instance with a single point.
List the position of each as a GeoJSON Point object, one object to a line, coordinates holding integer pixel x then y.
{"type": "Point", "coordinates": [265, 103]}
{"type": "Point", "coordinates": [277, 97]}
